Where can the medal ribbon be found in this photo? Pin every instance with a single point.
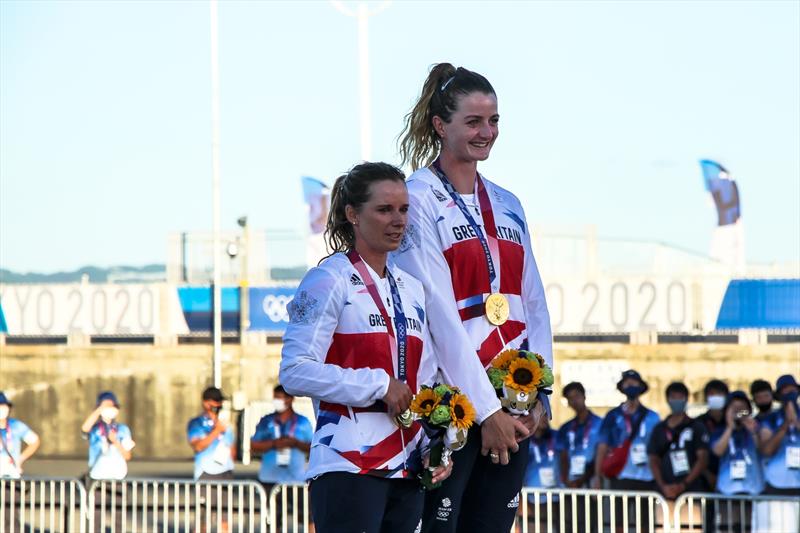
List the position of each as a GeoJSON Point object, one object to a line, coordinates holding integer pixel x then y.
{"type": "Point", "coordinates": [489, 242]}
{"type": "Point", "coordinates": [397, 344]}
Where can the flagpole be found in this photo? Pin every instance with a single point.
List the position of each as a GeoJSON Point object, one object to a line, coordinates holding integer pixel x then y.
{"type": "Point", "coordinates": [216, 296]}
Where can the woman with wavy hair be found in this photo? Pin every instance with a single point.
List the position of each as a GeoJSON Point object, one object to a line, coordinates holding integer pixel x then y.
{"type": "Point", "coordinates": [356, 344]}
{"type": "Point", "coordinates": [469, 243]}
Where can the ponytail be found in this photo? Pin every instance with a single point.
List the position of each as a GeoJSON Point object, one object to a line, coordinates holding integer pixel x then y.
{"type": "Point", "coordinates": [420, 144]}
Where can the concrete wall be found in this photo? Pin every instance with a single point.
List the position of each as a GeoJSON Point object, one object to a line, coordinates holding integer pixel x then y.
{"type": "Point", "coordinates": [54, 387]}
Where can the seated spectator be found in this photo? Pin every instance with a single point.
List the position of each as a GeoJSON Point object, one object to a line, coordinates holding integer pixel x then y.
{"type": "Point", "coordinates": [678, 448]}
{"type": "Point", "coordinates": [715, 394]}
{"type": "Point", "coordinates": [780, 441]}
{"type": "Point", "coordinates": [737, 447]}
{"type": "Point", "coordinates": [761, 392]}
{"type": "Point", "coordinates": [629, 420]}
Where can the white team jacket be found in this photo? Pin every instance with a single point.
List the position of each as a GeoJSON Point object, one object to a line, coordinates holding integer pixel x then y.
{"type": "Point", "coordinates": [440, 249]}
{"type": "Point", "coordinates": [336, 350]}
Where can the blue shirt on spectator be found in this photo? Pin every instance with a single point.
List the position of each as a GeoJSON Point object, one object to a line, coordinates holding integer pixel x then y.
{"type": "Point", "coordinates": [105, 459]}
{"type": "Point", "coordinates": [14, 434]}
{"type": "Point", "coordinates": [542, 470]}
{"type": "Point", "coordinates": [579, 441]}
{"type": "Point", "coordinates": [275, 466]}
{"type": "Point", "coordinates": [617, 427]}
{"type": "Point", "coordinates": [216, 459]}
{"type": "Point", "coordinates": [782, 470]}
{"type": "Point", "coordinates": [740, 469]}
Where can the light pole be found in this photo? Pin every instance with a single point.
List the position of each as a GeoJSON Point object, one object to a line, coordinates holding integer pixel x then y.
{"type": "Point", "coordinates": [216, 296]}
{"type": "Point", "coordinates": [362, 13]}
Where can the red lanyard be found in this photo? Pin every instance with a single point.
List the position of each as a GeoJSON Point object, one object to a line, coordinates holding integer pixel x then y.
{"type": "Point", "coordinates": [277, 422]}
{"type": "Point", "coordinates": [586, 429]}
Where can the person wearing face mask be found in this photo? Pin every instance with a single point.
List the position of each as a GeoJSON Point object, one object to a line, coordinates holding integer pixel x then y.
{"type": "Point", "coordinates": [110, 443]}
{"type": "Point", "coordinates": [629, 420]}
{"type": "Point", "coordinates": [678, 448]}
{"type": "Point", "coordinates": [761, 392]}
{"type": "Point", "coordinates": [284, 438]}
{"type": "Point", "coordinates": [780, 441]}
{"type": "Point", "coordinates": [715, 393]}
{"type": "Point", "coordinates": [740, 467]}
{"type": "Point", "coordinates": [13, 433]}
{"type": "Point", "coordinates": [211, 439]}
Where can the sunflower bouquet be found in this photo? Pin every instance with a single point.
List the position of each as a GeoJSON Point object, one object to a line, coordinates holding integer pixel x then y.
{"type": "Point", "coordinates": [518, 376]}
{"type": "Point", "coordinates": [445, 414]}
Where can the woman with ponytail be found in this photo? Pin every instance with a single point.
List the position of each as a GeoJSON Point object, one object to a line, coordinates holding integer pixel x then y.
{"type": "Point", "coordinates": [356, 345]}
{"type": "Point", "coordinates": [469, 244]}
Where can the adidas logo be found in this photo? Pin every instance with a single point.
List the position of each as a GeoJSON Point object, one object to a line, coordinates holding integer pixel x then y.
{"type": "Point", "coordinates": [513, 504]}
{"type": "Point", "coordinates": [438, 194]}
{"type": "Point", "coordinates": [355, 280]}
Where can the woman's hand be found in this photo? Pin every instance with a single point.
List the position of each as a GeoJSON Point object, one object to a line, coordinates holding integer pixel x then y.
{"type": "Point", "coordinates": [441, 472]}
{"type": "Point", "coordinates": [397, 397]}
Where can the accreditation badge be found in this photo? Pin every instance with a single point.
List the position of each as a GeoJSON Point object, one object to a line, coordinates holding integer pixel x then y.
{"type": "Point", "coordinates": [497, 309]}
{"type": "Point", "coordinates": [638, 454]}
{"type": "Point", "coordinates": [680, 462]}
{"type": "Point", "coordinates": [738, 469]}
{"type": "Point", "coordinates": [547, 477]}
{"type": "Point", "coordinates": [793, 457]}
{"type": "Point", "coordinates": [283, 457]}
{"type": "Point", "coordinates": [577, 466]}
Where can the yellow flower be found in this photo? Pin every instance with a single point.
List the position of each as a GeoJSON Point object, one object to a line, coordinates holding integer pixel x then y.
{"type": "Point", "coordinates": [461, 411]}
{"type": "Point", "coordinates": [523, 375]}
{"type": "Point", "coordinates": [504, 359]}
{"type": "Point", "coordinates": [425, 402]}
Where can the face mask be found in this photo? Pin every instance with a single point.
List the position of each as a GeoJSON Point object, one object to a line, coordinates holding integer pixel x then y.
{"type": "Point", "coordinates": [109, 413]}
{"type": "Point", "coordinates": [4, 412]}
{"type": "Point", "coordinates": [764, 407]}
{"type": "Point", "coordinates": [677, 406]}
{"type": "Point", "coordinates": [716, 402]}
{"type": "Point", "coordinates": [790, 397]}
{"type": "Point", "coordinates": [279, 405]}
{"type": "Point", "coordinates": [632, 391]}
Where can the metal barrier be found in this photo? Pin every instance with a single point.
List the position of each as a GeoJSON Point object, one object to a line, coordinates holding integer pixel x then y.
{"type": "Point", "coordinates": [179, 505]}
{"type": "Point", "coordinates": [737, 514]}
{"type": "Point", "coordinates": [579, 510]}
{"type": "Point", "coordinates": [42, 504]}
{"type": "Point", "coordinates": [289, 508]}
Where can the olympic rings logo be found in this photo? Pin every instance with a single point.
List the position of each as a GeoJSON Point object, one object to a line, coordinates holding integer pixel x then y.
{"type": "Point", "coordinates": [275, 307]}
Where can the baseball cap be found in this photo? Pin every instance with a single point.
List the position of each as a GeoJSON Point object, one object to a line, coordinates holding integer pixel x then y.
{"type": "Point", "coordinates": [213, 394]}
{"type": "Point", "coordinates": [107, 395]}
{"type": "Point", "coordinates": [4, 399]}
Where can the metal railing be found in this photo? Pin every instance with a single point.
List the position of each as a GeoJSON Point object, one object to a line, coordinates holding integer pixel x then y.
{"type": "Point", "coordinates": [289, 508]}
{"type": "Point", "coordinates": [180, 505]}
{"type": "Point", "coordinates": [578, 510]}
{"type": "Point", "coordinates": [712, 513]}
{"type": "Point", "coordinates": [42, 504]}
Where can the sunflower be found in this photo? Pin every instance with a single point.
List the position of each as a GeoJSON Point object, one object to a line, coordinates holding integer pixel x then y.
{"type": "Point", "coordinates": [523, 375]}
{"type": "Point", "coordinates": [504, 359]}
{"type": "Point", "coordinates": [461, 411]}
{"type": "Point", "coordinates": [424, 402]}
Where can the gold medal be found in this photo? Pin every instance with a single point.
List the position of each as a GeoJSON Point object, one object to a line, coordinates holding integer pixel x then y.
{"type": "Point", "coordinates": [405, 419]}
{"type": "Point", "coordinates": [497, 309]}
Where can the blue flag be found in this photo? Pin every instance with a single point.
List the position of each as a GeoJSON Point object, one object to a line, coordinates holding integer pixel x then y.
{"type": "Point", "coordinates": [723, 190]}
{"type": "Point", "coordinates": [316, 195]}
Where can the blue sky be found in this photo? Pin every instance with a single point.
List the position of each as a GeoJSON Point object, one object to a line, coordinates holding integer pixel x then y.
{"type": "Point", "coordinates": [605, 109]}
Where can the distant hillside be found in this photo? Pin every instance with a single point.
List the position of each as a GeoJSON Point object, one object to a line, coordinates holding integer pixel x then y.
{"type": "Point", "coordinates": [115, 274]}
